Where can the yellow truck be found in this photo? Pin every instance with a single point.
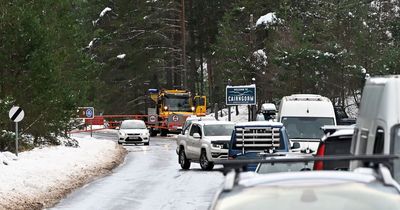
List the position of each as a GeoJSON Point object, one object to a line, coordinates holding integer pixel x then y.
{"type": "Point", "coordinates": [171, 108]}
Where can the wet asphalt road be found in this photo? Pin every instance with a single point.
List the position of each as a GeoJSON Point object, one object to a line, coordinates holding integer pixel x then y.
{"type": "Point", "coordinates": [149, 179]}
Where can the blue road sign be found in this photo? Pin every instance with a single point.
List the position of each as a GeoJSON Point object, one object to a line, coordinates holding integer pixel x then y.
{"type": "Point", "coordinates": [89, 113]}
{"type": "Point", "coordinates": [85, 112]}
{"type": "Point", "coordinates": [241, 95]}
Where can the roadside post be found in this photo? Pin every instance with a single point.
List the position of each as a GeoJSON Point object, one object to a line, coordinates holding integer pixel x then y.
{"type": "Point", "coordinates": [229, 107]}
{"type": "Point", "coordinates": [16, 114]}
{"type": "Point", "coordinates": [86, 113]}
{"type": "Point", "coordinates": [241, 95]}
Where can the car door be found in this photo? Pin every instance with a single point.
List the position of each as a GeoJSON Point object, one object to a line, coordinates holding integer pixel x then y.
{"type": "Point", "coordinates": [197, 142]}
{"type": "Point", "coordinates": [190, 141]}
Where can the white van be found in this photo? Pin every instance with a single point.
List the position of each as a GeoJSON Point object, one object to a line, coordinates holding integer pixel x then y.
{"type": "Point", "coordinates": [303, 115]}
{"type": "Point", "coordinates": [378, 124]}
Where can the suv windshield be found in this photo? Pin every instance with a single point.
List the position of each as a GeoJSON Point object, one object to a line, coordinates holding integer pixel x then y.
{"type": "Point", "coordinates": [327, 197]}
{"type": "Point", "coordinates": [133, 125]}
{"type": "Point", "coordinates": [306, 127]}
{"type": "Point", "coordinates": [218, 130]}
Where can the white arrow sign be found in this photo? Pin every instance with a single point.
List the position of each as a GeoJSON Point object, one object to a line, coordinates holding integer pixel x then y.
{"type": "Point", "coordinates": [16, 114]}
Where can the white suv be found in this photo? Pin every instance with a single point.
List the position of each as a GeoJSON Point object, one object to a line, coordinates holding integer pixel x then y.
{"type": "Point", "coordinates": [133, 131]}
{"type": "Point", "coordinates": [204, 142]}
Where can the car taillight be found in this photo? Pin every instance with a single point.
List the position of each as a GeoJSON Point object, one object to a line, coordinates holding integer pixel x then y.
{"type": "Point", "coordinates": [319, 165]}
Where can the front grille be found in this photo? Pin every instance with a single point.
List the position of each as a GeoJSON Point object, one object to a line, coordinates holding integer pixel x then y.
{"type": "Point", "coordinates": [257, 138]}
{"type": "Point", "coordinates": [133, 134]}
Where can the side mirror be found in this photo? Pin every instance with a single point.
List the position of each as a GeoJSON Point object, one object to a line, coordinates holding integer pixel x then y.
{"type": "Point", "coordinates": [117, 128]}
{"type": "Point", "coordinates": [296, 145]}
{"type": "Point", "coordinates": [196, 136]}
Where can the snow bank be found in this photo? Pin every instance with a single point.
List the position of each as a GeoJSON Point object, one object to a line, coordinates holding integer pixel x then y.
{"type": "Point", "coordinates": [41, 177]}
{"type": "Point", "coordinates": [242, 117]}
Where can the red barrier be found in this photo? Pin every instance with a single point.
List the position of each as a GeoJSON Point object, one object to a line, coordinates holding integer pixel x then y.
{"type": "Point", "coordinates": [97, 120]}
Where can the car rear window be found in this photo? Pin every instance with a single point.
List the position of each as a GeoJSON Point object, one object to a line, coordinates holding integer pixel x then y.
{"type": "Point", "coordinates": [337, 146]}
{"type": "Point", "coordinates": [354, 196]}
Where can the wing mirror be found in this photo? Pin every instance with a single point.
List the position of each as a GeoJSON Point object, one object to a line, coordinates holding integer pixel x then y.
{"type": "Point", "coordinates": [117, 128]}
{"type": "Point", "coordinates": [296, 145]}
{"type": "Point", "coordinates": [196, 136]}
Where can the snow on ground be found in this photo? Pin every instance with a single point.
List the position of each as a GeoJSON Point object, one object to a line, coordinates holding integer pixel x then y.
{"type": "Point", "coordinates": [41, 177]}
{"type": "Point", "coordinates": [242, 117]}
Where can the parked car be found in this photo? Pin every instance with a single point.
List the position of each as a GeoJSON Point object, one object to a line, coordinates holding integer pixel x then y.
{"type": "Point", "coordinates": [204, 142]}
{"type": "Point", "coordinates": [303, 115]}
{"type": "Point", "coordinates": [250, 140]}
{"type": "Point", "coordinates": [363, 189]}
{"type": "Point", "coordinates": [337, 141]}
{"type": "Point", "coordinates": [377, 130]}
{"type": "Point", "coordinates": [133, 132]}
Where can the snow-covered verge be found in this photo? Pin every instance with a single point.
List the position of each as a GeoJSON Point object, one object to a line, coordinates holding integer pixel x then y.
{"type": "Point", "coordinates": [242, 117]}
{"type": "Point", "coordinates": [41, 177]}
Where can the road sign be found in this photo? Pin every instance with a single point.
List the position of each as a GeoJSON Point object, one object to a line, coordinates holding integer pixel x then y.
{"type": "Point", "coordinates": [241, 95]}
{"type": "Point", "coordinates": [152, 118]}
{"type": "Point", "coordinates": [16, 114]}
{"type": "Point", "coordinates": [175, 118]}
{"type": "Point", "coordinates": [85, 112]}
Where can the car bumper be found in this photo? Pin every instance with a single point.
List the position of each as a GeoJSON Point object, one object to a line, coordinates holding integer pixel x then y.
{"type": "Point", "coordinates": [135, 140]}
{"type": "Point", "coordinates": [218, 154]}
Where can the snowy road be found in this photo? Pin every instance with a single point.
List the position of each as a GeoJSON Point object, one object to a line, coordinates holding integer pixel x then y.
{"type": "Point", "coordinates": [149, 179]}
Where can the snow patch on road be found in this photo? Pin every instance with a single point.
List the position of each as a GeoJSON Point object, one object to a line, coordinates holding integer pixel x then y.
{"type": "Point", "coordinates": [41, 177]}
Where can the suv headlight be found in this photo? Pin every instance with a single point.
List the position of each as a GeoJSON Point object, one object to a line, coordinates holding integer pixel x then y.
{"type": "Point", "coordinates": [218, 146]}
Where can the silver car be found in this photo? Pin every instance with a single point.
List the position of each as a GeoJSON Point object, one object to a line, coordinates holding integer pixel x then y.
{"type": "Point", "coordinates": [363, 189]}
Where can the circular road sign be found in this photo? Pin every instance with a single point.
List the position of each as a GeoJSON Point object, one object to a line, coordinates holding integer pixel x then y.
{"type": "Point", "coordinates": [16, 114]}
{"type": "Point", "coordinates": [89, 113]}
{"type": "Point", "coordinates": [152, 118]}
{"type": "Point", "coordinates": [175, 118]}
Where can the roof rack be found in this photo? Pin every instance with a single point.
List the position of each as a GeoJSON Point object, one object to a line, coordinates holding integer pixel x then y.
{"type": "Point", "coordinates": [232, 168]}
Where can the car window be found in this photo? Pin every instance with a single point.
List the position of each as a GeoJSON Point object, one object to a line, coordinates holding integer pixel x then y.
{"type": "Point", "coordinates": [284, 167]}
{"type": "Point", "coordinates": [306, 127]}
{"type": "Point", "coordinates": [218, 130]}
{"type": "Point", "coordinates": [379, 141]}
{"type": "Point", "coordinates": [195, 129]}
{"type": "Point", "coordinates": [133, 125]}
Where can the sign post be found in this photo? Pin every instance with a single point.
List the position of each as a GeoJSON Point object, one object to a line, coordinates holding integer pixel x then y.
{"type": "Point", "coordinates": [16, 114]}
{"type": "Point", "coordinates": [241, 95]}
{"type": "Point", "coordinates": [86, 113]}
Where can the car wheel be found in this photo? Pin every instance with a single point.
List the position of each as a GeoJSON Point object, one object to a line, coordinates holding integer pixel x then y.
{"type": "Point", "coordinates": [119, 142]}
{"type": "Point", "coordinates": [183, 161]}
{"type": "Point", "coordinates": [147, 143]}
{"type": "Point", "coordinates": [204, 162]}
{"type": "Point", "coordinates": [153, 132]}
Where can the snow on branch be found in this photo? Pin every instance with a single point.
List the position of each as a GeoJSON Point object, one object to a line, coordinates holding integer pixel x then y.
{"type": "Point", "coordinates": [268, 20]}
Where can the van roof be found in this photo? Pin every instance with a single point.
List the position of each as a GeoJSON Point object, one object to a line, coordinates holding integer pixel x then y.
{"type": "Point", "coordinates": [305, 97]}
{"type": "Point", "coordinates": [259, 123]}
{"type": "Point", "coordinates": [306, 105]}
{"type": "Point", "coordinates": [382, 79]}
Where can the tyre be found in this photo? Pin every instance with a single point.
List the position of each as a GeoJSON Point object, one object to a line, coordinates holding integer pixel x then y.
{"type": "Point", "coordinates": [153, 132]}
{"type": "Point", "coordinates": [164, 132]}
{"type": "Point", "coordinates": [146, 143]}
{"type": "Point", "coordinates": [119, 142]}
{"type": "Point", "coordinates": [205, 164]}
{"type": "Point", "coordinates": [183, 161]}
